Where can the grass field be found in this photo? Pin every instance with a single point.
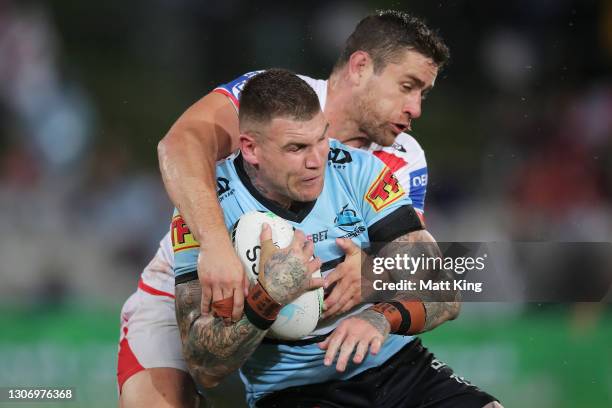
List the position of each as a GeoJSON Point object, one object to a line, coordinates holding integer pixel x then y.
{"type": "Point", "coordinates": [535, 359]}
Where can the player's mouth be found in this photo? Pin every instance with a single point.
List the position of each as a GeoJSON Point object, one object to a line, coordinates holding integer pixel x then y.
{"type": "Point", "coordinates": [311, 180]}
{"type": "Point", "coordinates": [400, 127]}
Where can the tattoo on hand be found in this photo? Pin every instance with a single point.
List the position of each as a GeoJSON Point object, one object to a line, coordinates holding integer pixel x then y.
{"type": "Point", "coordinates": [285, 276]}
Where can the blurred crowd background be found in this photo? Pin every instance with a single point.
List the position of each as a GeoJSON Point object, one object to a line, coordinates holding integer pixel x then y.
{"type": "Point", "coordinates": [517, 133]}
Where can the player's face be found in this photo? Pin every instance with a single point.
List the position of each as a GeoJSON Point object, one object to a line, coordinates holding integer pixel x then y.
{"type": "Point", "coordinates": [292, 158]}
{"type": "Point", "coordinates": [392, 98]}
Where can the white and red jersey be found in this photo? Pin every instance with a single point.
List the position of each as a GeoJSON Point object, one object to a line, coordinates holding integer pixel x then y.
{"type": "Point", "coordinates": [405, 157]}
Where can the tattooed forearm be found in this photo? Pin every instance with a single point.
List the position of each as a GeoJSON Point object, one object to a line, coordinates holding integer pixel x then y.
{"type": "Point", "coordinates": [211, 348]}
{"type": "Point", "coordinates": [440, 305]}
{"type": "Point", "coordinates": [440, 312]}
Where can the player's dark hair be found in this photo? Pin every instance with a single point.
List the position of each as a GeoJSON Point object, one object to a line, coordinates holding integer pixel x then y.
{"type": "Point", "coordinates": [277, 93]}
{"type": "Point", "coordinates": [384, 34]}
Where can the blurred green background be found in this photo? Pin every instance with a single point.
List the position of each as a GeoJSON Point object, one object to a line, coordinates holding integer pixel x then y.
{"type": "Point", "coordinates": [556, 356]}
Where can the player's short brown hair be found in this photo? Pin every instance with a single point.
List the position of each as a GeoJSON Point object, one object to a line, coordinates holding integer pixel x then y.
{"type": "Point", "coordinates": [277, 93]}
{"type": "Point", "coordinates": [384, 34]}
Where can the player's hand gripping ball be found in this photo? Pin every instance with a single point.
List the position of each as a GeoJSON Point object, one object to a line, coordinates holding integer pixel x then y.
{"type": "Point", "coordinates": [296, 319]}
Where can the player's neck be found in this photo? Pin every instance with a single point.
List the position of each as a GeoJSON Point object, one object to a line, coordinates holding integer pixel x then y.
{"type": "Point", "coordinates": [340, 112]}
{"type": "Point", "coordinates": [255, 178]}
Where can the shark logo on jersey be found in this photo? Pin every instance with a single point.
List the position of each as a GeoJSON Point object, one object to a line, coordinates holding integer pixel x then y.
{"type": "Point", "coordinates": [348, 221]}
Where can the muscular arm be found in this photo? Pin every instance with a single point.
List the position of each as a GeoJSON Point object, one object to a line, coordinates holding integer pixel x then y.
{"type": "Point", "coordinates": [440, 306]}
{"type": "Point", "coordinates": [205, 133]}
{"type": "Point", "coordinates": [211, 348]}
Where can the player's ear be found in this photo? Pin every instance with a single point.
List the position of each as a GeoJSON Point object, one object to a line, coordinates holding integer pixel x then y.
{"type": "Point", "coordinates": [360, 66]}
{"type": "Point", "coordinates": [248, 147]}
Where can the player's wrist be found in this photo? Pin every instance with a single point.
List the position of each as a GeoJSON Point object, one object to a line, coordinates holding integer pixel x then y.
{"type": "Point", "coordinates": [260, 308]}
{"type": "Point", "coordinates": [405, 317]}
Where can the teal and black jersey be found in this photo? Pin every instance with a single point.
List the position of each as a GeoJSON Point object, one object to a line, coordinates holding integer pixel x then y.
{"type": "Point", "coordinates": [361, 200]}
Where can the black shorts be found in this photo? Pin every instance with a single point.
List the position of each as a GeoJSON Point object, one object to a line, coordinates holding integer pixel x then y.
{"type": "Point", "coordinates": [410, 378]}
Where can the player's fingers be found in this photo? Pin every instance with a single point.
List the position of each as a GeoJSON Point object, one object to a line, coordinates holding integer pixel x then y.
{"type": "Point", "coordinates": [349, 304]}
{"type": "Point", "coordinates": [360, 353]}
{"type": "Point", "coordinates": [313, 265]}
{"type": "Point", "coordinates": [265, 239]}
{"type": "Point", "coordinates": [332, 277]}
{"type": "Point", "coordinates": [246, 284]}
{"type": "Point", "coordinates": [298, 240]}
{"type": "Point", "coordinates": [267, 247]}
{"type": "Point", "coordinates": [335, 294]}
{"type": "Point", "coordinates": [337, 337]}
{"type": "Point", "coordinates": [339, 305]}
{"type": "Point", "coordinates": [238, 304]}
{"type": "Point", "coordinates": [217, 293]}
{"type": "Point", "coordinates": [345, 353]}
{"type": "Point", "coordinates": [308, 249]}
{"type": "Point", "coordinates": [375, 346]}
{"type": "Point", "coordinates": [348, 246]}
{"type": "Point", "coordinates": [266, 232]}
{"type": "Point", "coordinates": [315, 283]}
{"type": "Point", "coordinates": [323, 345]}
{"type": "Point", "coordinates": [206, 300]}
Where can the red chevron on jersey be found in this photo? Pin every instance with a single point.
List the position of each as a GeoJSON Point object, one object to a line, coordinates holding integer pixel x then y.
{"type": "Point", "coordinates": [392, 161]}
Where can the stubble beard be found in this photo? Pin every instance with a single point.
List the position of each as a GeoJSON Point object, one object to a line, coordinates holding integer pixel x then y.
{"type": "Point", "coordinates": [370, 124]}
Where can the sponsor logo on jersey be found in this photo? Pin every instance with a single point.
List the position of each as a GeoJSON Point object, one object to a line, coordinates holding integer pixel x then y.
{"type": "Point", "coordinates": [181, 236]}
{"type": "Point", "coordinates": [339, 158]}
{"type": "Point", "coordinates": [348, 221]}
{"type": "Point", "coordinates": [418, 178]}
{"type": "Point", "coordinates": [317, 236]}
{"type": "Point", "coordinates": [223, 188]}
{"type": "Point", "coordinates": [399, 147]}
{"type": "Point", "coordinates": [384, 190]}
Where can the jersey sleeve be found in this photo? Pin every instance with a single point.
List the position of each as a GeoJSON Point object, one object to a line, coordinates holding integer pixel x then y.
{"type": "Point", "coordinates": [233, 89]}
{"type": "Point", "coordinates": [185, 248]}
{"type": "Point", "coordinates": [386, 206]}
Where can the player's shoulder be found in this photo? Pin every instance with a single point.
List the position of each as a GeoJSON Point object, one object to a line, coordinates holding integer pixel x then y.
{"type": "Point", "coordinates": [405, 153]}
{"type": "Point", "coordinates": [233, 88]}
{"type": "Point", "coordinates": [405, 146]}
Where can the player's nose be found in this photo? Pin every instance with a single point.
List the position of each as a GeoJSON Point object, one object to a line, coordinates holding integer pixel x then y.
{"type": "Point", "coordinates": [412, 105]}
{"type": "Point", "coordinates": [315, 159]}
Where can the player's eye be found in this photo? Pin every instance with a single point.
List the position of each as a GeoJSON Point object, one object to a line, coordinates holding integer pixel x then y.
{"type": "Point", "coordinates": [407, 87]}
{"type": "Point", "coordinates": [295, 148]}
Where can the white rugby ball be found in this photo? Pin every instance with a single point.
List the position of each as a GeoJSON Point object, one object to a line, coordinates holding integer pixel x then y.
{"type": "Point", "coordinates": [299, 318]}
